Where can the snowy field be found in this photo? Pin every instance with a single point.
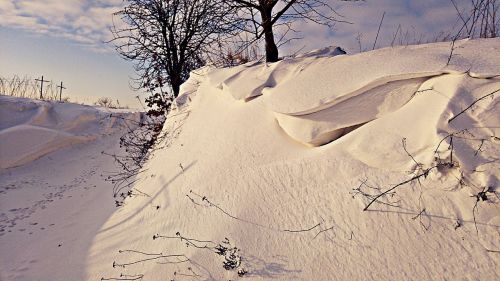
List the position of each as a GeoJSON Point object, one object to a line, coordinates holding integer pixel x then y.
{"type": "Point", "coordinates": [382, 165]}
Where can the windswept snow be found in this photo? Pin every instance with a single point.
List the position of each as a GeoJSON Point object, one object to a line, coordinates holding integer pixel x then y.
{"type": "Point", "coordinates": [316, 113]}
{"type": "Point", "coordinates": [53, 197]}
{"type": "Point", "coordinates": [30, 129]}
{"type": "Point", "coordinates": [341, 77]}
{"type": "Point", "coordinates": [325, 125]}
{"type": "Point", "coordinates": [275, 157]}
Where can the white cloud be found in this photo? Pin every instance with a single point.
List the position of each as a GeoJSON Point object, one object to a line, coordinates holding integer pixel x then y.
{"type": "Point", "coordinates": [84, 22]}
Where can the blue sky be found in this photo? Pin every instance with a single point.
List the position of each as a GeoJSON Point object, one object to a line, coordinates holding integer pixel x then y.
{"type": "Point", "coordinates": [63, 40]}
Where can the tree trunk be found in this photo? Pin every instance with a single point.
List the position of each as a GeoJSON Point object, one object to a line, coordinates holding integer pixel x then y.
{"type": "Point", "coordinates": [271, 48]}
{"type": "Point", "coordinates": [175, 82]}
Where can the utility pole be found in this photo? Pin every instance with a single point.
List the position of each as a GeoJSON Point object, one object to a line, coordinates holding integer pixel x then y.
{"type": "Point", "coordinates": [41, 86]}
{"type": "Point", "coordinates": [60, 90]}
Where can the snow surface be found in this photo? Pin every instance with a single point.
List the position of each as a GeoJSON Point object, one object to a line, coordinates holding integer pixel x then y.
{"type": "Point", "coordinates": [278, 148]}
{"type": "Point", "coordinates": [52, 190]}
{"type": "Point", "coordinates": [30, 129]}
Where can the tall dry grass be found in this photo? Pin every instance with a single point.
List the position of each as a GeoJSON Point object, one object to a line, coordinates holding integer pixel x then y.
{"type": "Point", "coordinates": [27, 87]}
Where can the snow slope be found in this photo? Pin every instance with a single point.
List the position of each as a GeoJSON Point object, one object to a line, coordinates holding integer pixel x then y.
{"type": "Point", "coordinates": [30, 129]}
{"type": "Point", "coordinates": [53, 197]}
{"type": "Point", "coordinates": [276, 158]}
{"type": "Point", "coordinates": [241, 144]}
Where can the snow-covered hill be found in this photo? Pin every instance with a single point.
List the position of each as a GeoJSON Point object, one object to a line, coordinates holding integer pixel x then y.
{"type": "Point", "coordinates": [282, 159]}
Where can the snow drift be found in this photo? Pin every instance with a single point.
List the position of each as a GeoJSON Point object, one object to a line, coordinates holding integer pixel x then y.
{"type": "Point", "coordinates": [281, 159]}
{"type": "Point", "coordinates": [52, 186]}
{"type": "Point", "coordinates": [243, 140]}
{"type": "Point", "coordinates": [316, 113]}
{"type": "Point", "coordinates": [30, 129]}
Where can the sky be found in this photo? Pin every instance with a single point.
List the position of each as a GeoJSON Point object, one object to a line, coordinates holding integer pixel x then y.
{"type": "Point", "coordinates": [65, 40]}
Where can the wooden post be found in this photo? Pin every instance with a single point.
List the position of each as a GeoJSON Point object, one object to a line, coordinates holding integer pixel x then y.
{"type": "Point", "coordinates": [41, 86]}
{"type": "Point", "coordinates": [60, 90]}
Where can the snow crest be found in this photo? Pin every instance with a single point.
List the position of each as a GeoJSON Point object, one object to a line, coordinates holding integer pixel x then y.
{"type": "Point", "coordinates": [350, 90]}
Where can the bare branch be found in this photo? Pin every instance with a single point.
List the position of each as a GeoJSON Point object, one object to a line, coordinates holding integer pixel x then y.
{"type": "Point", "coordinates": [472, 104]}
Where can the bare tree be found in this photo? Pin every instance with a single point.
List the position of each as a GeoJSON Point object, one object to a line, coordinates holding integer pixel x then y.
{"type": "Point", "coordinates": [104, 102]}
{"type": "Point", "coordinates": [166, 39]}
{"type": "Point", "coordinates": [264, 16]}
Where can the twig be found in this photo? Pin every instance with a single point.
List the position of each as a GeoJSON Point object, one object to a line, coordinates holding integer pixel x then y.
{"type": "Point", "coordinates": [479, 148]}
{"type": "Point", "coordinates": [378, 31]}
{"type": "Point", "coordinates": [211, 204]}
{"type": "Point", "coordinates": [232, 258]}
{"type": "Point", "coordinates": [153, 257]}
{"type": "Point", "coordinates": [422, 91]}
{"type": "Point", "coordinates": [302, 230]}
{"type": "Point", "coordinates": [472, 104]}
{"type": "Point", "coordinates": [359, 191]}
{"type": "Point", "coordinates": [418, 165]}
{"type": "Point", "coordinates": [480, 196]}
{"type": "Point", "coordinates": [189, 241]}
{"type": "Point", "coordinates": [450, 164]}
{"type": "Point", "coordinates": [192, 274]}
{"type": "Point", "coordinates": [125, 277]}
{"type": "Point", "coordinates": [425, 173]}
{"type": "Point", "coordinates": [321, 231]}
{"type": "Point", "coordinates": [419, 216]}
{"type": "Point", "coordinates": [451, 51]}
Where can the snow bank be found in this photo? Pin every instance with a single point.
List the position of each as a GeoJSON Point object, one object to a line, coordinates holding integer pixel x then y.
{"type": "Point", "coordinates": [30, 129]}
{"type": "Point", "coordinates": [317, 113]}
{"type": "Point", "coordinates": [245, 139]}
{"type": "Point", "coordinates": [341, 77]}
